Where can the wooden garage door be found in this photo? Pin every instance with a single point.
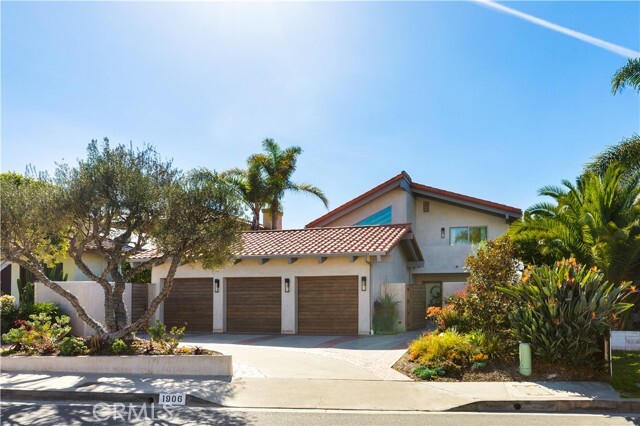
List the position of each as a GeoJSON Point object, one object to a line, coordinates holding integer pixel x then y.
{"type": "Point", "coordinates": [191, 302]}
{"type": "Point", "coordinates": [254, 305]}
{"type": "Point", "coordinates": [328, 305]}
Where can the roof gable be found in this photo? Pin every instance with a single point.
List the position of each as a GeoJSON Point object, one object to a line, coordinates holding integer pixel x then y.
{"type": "Point", "coordinates": [403, 180]}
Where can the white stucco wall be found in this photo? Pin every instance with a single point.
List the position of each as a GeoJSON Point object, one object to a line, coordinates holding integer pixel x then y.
{"type": "Point", "coordinates": [15, 276]}
{"type": "Point", "coordinates": [440, 255]}
{"type": "Point", "coordinates": [94, 262]}
{"type": "Point", "coordinates": [276, 268]}
{"type": "Point", "coordinates": [399, 292]}
{"type": "Point", "coordinates": [392, 269]}
{"type": "Point", "coordinates": [91, 297]}
{"type": "Point", "coordinates": [401, 203]}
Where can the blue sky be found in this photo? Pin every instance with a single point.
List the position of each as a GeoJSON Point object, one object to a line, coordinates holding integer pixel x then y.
{"type": "Point", "coordinates": [461, 96]}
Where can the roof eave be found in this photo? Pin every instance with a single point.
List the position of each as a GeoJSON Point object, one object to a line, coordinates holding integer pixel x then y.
{"type": "Point", "coordinates": [498, 211]}
{"type": "Point", "coordinates": [313, 255]}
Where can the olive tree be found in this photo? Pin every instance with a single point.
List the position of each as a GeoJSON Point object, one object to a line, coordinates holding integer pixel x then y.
{"type": "Point", "coordinates": [116, 203]}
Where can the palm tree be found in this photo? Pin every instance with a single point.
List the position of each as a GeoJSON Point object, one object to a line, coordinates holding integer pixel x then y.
{"type": "Point", "coordinates": [596, 220]}
{"type": "Point", "coordinates": [279, 165]}
{"type": "Point", "coordinates": [628, 75]}
{"type": "Point", "coordinates": [626, 154]}
{"type": "Point", "coordinates": [251, 185]}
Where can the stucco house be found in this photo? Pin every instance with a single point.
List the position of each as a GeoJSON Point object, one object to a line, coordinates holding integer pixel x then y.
{"type": "Point", "coordinates": [400, 237]}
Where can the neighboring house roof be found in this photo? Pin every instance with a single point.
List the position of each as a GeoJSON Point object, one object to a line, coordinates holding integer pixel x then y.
{"type": "Point", "coordinates": [403, 180]}
{"type": "Point", "coordinates": [107, 245]}
{"type": "Point", "coordinates": [377, 240]}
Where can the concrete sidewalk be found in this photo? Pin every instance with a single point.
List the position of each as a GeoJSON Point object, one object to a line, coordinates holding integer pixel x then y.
{"type": "Point", "coordinates": [326, 394]}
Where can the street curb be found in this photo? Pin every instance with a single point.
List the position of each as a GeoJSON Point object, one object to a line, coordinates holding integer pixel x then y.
{"type": "Point", "coordinates": [74, 396]}
{"type": "Point", "coordinates": [562, 405]}
{"type": "Point", "coordinates": [514, 406]}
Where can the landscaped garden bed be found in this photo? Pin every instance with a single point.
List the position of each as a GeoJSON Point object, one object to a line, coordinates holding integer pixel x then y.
{"type": "Point", "coordinates": [565, 312]}
{"type": "Point", "coordinates": [507, 371]}
{"type": "Point", "coordinates": [42, 343]}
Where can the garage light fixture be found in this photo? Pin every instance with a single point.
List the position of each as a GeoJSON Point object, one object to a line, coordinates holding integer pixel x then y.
{"type": "Point", "coordinates": [364, 283]}
{"type": "Point", "coordinates": [286, 285]}
{"type": "Point", "coordinates": [217, 281]}
{"type": "Point", "coordinates": [441, 232]}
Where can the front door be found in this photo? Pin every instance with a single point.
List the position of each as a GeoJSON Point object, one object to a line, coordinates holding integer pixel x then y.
{"type": "Point", "coordinates": [434, 293]}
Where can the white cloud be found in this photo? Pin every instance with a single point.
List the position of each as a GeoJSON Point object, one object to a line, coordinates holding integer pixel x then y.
{"type": "Point", "coordinates": [614, 48]}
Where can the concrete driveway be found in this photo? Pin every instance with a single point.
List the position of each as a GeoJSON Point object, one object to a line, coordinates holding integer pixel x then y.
{"type": "Point", "coordinates": [309, 357]}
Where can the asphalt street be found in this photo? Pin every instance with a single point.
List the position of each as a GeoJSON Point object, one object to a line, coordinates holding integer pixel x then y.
{"type": "Point", "coordinates": [40, 414]}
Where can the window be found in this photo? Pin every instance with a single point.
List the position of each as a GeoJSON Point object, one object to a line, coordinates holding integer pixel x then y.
{"type": "Point", "coordinates": [468, 234]}
{"type": "Point", "coordinates": [383, 217]}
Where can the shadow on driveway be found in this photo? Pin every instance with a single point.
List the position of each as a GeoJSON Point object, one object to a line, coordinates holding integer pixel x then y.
{"type": "Point", "coordinates": [376, 342]}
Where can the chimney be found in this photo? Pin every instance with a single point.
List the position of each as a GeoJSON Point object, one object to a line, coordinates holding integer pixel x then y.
{"type": "Point", "coordinates": [266, 219]}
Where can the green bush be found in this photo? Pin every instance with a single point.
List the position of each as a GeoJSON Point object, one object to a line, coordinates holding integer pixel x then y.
{"type": "Point", "coordinates": [450, 350]}
{"type": "Point", "coordinates": [492, 344]}
{"type": "Point", "coordinates": [118, 347]}
{"type": "Point", "coordinates": [39, 335]}
{"type": "Point", "coordinates": [448, 318]}
{"type": "Point", "coordinates": [8, 312]}
{"type": "Point", "coordinates": [26, 291]}
{"type": "Point", "coordinates": [47, 308]}
{"type": "Point", "coordinates": [70, 346]}
{"type": "Point", "coordinates": [26, 310]}
{"type": "Point", "coordinates": [385, 316]}
{"type": "Point", "coordinates": [7, 305]}
{"type": "Point", "coordinates": [565, 312]}
{"type": "Point", "coordinates": [426, 373]}
{"type": "Point", "coordinates": [482, 306]}
{"type": "Point", "coordinates": [168, 341]}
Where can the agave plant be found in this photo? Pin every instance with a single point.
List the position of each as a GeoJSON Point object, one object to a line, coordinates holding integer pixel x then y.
{"type": "Point", "coordinates": [566, 311]}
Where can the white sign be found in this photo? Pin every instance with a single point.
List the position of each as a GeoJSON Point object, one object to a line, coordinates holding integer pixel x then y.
{"type": "Point", "coordinates": [173, 398]}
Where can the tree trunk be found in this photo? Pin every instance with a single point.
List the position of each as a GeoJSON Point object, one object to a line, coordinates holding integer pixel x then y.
{"type": "Point", "coordinates": [153, 306]}
{"type": "Point", "coordinates": [120, 312]}
{"type": "Point", "coordinates": [109, 313]}
{"type": "Point", "coordinates": [255, 225]}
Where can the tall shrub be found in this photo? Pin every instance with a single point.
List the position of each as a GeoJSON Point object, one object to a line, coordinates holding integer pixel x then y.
{"type": "Point", "coordinates": [482, 306]}
{"type": "Point", "coordinates": [565, 311]}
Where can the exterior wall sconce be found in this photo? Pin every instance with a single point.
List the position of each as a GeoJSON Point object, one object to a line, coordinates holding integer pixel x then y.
{"type": "Point", "coordinates": [287, 283]}
{"type": "Point", "coordinates": [217, 281]}
{"type": "Point", "coordinates": [441, 232]}
{"type": "Point", "coordinates": [364, 283]}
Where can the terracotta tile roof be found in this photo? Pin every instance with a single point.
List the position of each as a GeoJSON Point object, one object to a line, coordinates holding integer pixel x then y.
{"type": "Point", "coordinates": [107, 245]}
{"type": "Point", "coordinates": [145, 255]}
{"type": "Point", "coordinates": [397, 181]}
{"type": "Point", "coordinates": [342, 240]}
{"type": "Point", "coordinates": [335, 241]}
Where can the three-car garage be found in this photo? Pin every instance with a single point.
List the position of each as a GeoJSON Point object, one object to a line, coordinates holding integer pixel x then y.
{"type": "Point", "coordinates": [324, 304]}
